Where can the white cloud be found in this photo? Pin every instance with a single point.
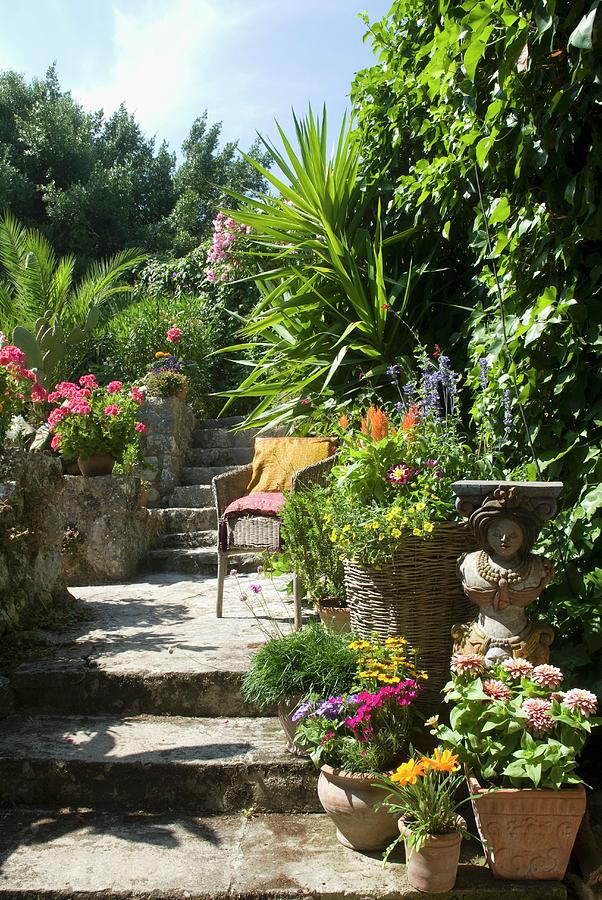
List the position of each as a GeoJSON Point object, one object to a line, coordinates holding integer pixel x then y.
{"type": "Point", "coordinates": [164, 51]}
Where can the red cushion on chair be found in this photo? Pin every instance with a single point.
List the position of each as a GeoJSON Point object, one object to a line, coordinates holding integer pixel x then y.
{"type": "Point", "coordinates": [268, 503]}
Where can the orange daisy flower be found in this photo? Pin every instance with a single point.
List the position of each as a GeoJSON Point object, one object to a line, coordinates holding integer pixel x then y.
{"type": "Point", "coordinates": [409, 772]}
{"type": "Point", "coordinates": [442, 761]}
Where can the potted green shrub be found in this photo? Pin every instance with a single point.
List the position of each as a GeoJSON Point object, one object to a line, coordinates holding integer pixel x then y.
{"type": "Point", "coordinates": [519, 736]}
{"type": "Point", "coordinates": [166, 376]}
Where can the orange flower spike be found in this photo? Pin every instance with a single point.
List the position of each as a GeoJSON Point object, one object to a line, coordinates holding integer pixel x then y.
{"type": "Point", "coordinates": [379, 423]}
{"type": "Point", "coordinates": [344, 421]}
{"type": "Point", "coordinates": [408, 772]}
{"type": "Point", "coordinates": [411, 418]}
{"type": "Point", "coordinates": [444, 761]}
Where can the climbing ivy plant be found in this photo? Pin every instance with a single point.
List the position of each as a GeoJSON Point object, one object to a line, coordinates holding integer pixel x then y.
{"type": "Point", "coordinates": [505, 96]}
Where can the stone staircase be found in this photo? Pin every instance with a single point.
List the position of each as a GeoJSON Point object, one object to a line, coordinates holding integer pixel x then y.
{"type": "Point", "coordinates": [189, 539]}
{"type": "Point", "coordinates": [133, 768]}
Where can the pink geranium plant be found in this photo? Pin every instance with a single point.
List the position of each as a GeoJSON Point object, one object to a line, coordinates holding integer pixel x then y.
{"type": "Point", "coordinates": [88, 419]}
{"type": "Point", "coordinates": [513, 725]}
{"type": "Point", "coordinates": [18, 384]}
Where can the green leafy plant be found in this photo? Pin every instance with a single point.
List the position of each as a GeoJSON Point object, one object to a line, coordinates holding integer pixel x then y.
{"type": "Point", "coordinates": [165, 383]}
{"type": "Point", "coordinates": [15, 384]}
{"type": "Point", "coordinates": [423, 791]}
{"type": "Point", "coordinates": [512, 726]}
{"type": "Point", "coordinates": [309, 660]}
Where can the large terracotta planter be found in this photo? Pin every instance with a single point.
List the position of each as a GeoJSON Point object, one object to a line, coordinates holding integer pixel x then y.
{"type": "Point", "coordinates": [433, 868]}
{"type": "Point", "coordinates": [97, 464]}
{"type": "Point", "coordinates": [286, 708]}
{"type": "Point", "coordinates": [350, 800]}
{"type": "Point", "coordinates": [527, 834]}
{"type": "Point", "coordinates": [335, 618]}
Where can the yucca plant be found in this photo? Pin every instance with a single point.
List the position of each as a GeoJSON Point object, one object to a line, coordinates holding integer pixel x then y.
{"type": "Point", "coordinates": [41, 303]}
{"type": "Point", "coordinates": [334, 310]}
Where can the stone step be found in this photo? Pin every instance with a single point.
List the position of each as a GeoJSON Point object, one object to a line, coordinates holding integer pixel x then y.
{"type": "Point", "coordinates": [226, 422]}
{"type": "Point", "coordinates": [199, 561]}
{"type": "Point", "coordinates": [187, 539]}
{"type": "Point", "coordinates": [176, 519]}
{"type": "Point", "coordinates": [220, 456]}
{"type": "Point", "coordinates": [155, 764]}
{"type": "Point", "coordinates": [84, 687]}
{"type": "Point", "coordinates": [223, 437]}
{"type": "Point", "coordinates": [67, 856]}
{"type": "Point", "coordinates": [193, 496]}
{"type": "Point", "coordinates": [203, 474]}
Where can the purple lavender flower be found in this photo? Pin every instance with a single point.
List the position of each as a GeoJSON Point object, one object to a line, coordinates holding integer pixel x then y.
{"type": "Point", "coordinates": [508, 417]}
{"type": "Point", "coordinates": [399, 406]}
{"type": "Point", "coordinates": [394, 373]}
{"type": "Point", "coordinates": [409, 390]}
{"type": "Point", "coordinates": [484, 369]}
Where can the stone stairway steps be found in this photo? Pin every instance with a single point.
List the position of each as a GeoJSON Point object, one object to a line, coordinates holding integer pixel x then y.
{"type": "Point", "coordinates": [195, 496]}
{"type": "Point", "coordinates": [155, 764]}
{"type": "Point", "coordinates": [203, 474]}
{"type": "Point", "coordinates": [176, 540]}
{"type": "Point", "coordinates": [196, 561]}
{"type": "Point", "coordinates": [203, 437]}
{"type": "Point", "coordinates": [178, 519]}
{"type": "Point", "coordinates": [220, 456]}
{"type": "Point", "coordinates": [67, 856]}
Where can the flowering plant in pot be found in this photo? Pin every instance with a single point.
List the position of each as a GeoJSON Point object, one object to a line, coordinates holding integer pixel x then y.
{"type": "Point", "coordinates": [353, 735]}
{"type": "Point", "coordinates": [422, 792]}
{"type": "Point", "coordinates": [94, 424]}
{"type": "Point", "coordinates": [519, 736]}
{"type": "Point", "coordinates": [166, 376]}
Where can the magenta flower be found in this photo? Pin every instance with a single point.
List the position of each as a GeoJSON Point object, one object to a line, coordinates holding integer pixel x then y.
{"type": "Point", "coordinates": [174, 335]}
{"type": "Point", "coordinates": [111, 410]}
{"type": "Point", "coordinates": [114, 386]}
{"type": "Point", "coordinates": [38, 393]}
{"type": "Point", "coordinates": [539, 720]}
{"type": "Point", "coordinates": [547, 676]}
{"type": "Point", "coordinates": [256, 588]}
{"type": "Point", "coordinates": [140, 427]}
{"type": "Point", "coordinates": [400, 474]}
{"type": "Point", "coordinates": [56, 416]}
{"type": "Point", "coordinates": [11, 355]}
{"type": "Point", "coordinates": [467, 664]}
{"type": "Point", "coordinates": [497, 690]}
{"type": "Point", "coordinates": [584, 701]}
{"type": "Point", "coordinates": [56, 441]}
{"type": "Point", "coordinates": [88, 381]}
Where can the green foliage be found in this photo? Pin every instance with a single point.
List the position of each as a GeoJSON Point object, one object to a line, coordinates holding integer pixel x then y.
{"type": "Point", "coordinates": [328, 277]}
{"type": "Point", "coordinates": [165, 383]}
{"type": "Point", "coordinates": [505, 95]}
{"type": "Point", "coordinates": [500, 740]}
{"type": "Point", "coordinates": [309, 551]}
{"type": "Point", "coordinates": [311, 660]}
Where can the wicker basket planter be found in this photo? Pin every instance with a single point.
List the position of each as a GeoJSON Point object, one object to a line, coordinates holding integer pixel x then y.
{"type": "Point", "coordinates": [418, 595]}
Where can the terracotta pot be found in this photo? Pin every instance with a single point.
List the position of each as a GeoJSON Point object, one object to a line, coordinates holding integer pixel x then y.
{"type": "Point", "coordinates": [349, 799]}
{"type": "Point", "coordinates": [70, 467]}
{"type": "Point", "coordinates": [97, 464]}
{"type": "Point", "coordinates": [182, 393]}
{"type": "Point", "coordinates": [335, 618]}
{"type": "Point", "coordinates": [434, 867]}
{"type": "Point", "coordinates": [285, 710]}
{"type": "Point", "coordinates": [527, 834]}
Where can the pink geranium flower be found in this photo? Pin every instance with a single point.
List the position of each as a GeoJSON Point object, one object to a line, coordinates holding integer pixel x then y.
{"type": "Point", "coordinates": [111, 410]}
{"type": "Point", "coordinates": [56, 441]}
{"type": "Point", "coordinates": [88, 381]}
{"type": "Point", "coordinates": [141, 427]}
{"type": "Point", "coordinates": [114, 386]}
{"type": "Point", "coordinates": [9, 354]}
{"type": "Point", "coordinates": [137, 395]}
{"type": "Point", "coordinates": [174, 335]}
{"type": "Point", "coordinates": [38, 393]}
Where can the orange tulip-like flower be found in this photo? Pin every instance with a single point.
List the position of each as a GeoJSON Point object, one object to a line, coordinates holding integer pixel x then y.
{"type": "Point", "coordinates": [409, 772]}
{"type": "Point", "coordinates": [411, 418]}
{"type": "Point", "coordinates": [442, 761]}
{"type": "Point", "coordinates": [376, 423]}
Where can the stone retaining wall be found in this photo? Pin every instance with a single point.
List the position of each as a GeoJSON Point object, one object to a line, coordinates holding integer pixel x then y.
{"type": "Point", "coordinates": [107, 533]}
{"type": "Point", "coordinates": [170, 422]}
{"type": "Point", "coordinates": [31, 532]}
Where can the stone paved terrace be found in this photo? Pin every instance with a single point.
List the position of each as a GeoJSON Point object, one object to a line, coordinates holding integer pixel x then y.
{"type": "Point", "coordinates": [132, 767]}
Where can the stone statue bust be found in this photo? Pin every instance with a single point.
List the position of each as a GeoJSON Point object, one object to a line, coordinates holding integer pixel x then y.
{"type": "Point", "coordinates": [502, 578]}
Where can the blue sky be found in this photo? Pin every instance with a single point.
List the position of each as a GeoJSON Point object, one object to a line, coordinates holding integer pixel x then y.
{"type": "Point", "coordinates": [247, 62]}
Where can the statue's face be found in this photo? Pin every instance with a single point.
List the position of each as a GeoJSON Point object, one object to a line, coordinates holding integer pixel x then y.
{"type": "Point", "coordinates": [505, 538]}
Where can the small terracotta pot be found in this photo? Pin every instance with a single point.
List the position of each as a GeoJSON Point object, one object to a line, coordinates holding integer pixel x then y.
{"type": "Point", "coordinates": [350, 800]}
{"type": "Point", "coordinates": [433, 868]}
{"type": "Point", "coordinates": [285, 710]}
{"type": "Point", "coordinates": [182, 393]}
{"type": "Point", "coordinates": [70, 467]}
{"type": "Point", "coordinates": [527, 834]}
{"type": "Point", "coordinates": [96, 464]}
{"type": "Point", "coordinates": [335, 618]}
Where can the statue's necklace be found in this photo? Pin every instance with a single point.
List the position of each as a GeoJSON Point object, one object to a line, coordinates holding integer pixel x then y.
{"type": "Point", "coordinates": [494, 575]}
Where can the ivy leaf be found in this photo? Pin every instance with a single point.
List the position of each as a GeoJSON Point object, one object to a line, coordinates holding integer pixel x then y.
{"type": "Point", "coordinates": [581, 37]}
{"type": "Point", "coordinates": [483, 148]}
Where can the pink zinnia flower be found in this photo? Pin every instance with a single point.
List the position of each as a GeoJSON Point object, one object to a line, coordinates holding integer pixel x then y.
{"type": "Point", "coordinates": [497, 690]}
{"type": "Point", "coordinates": [111, 410]}
{"type": "Point", "coordinates": [88, 381]}
{"type": "Point", "coordinates": [56, 441]}
{"type": "Point", "coordinates": [467, 663]}
{"type": "Point", "coordinates": [174, 335]}
{"type": "Point", "coordinates": [137, 395]}
{"type": "Point", "coordinates": [517, 668]}
{"type": "Point", "coordinates": [114, 386]}
{"type": "Point", "coordinates": [584, 701]}
{"type": "Point", "coordinates": [539, 720]}
{"type": "Point", "coordinates": [141, 427]}
{"type": "Point", "coordinates": [547, 676]}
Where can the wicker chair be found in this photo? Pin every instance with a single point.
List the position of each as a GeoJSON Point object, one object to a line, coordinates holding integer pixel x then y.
{"type": "Point", "coordinates": [252, 533]}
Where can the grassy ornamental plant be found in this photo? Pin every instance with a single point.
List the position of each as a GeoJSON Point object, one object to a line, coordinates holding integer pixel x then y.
{"type": "Point", "coordinates": [423, 791]}
{"type": "Point", "coordinates": [89, 419]}
{"type": "Point", "coordinates": [513, 726]}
